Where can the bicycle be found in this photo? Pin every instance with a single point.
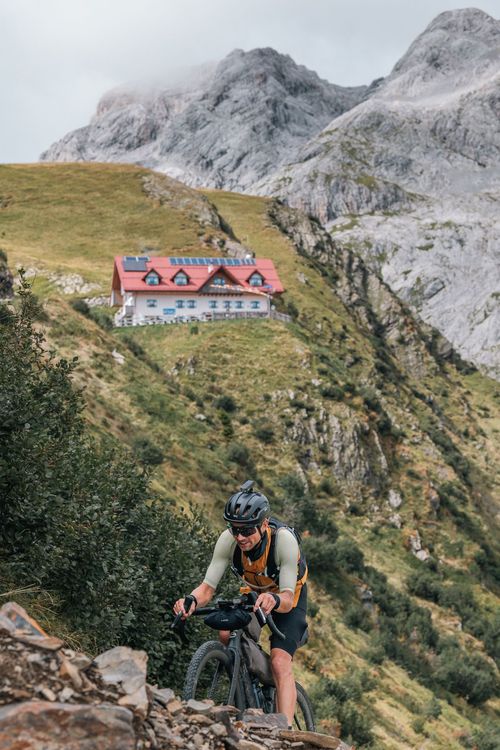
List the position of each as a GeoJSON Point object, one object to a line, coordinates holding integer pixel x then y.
{"type": "Point", "coordinates": [238, 674]}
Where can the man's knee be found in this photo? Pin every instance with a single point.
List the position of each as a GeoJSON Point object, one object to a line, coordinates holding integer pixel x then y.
{"type": "Point", "coordinates": [224, 636]}
{"type": "Point", "coordinates": [281, 662]}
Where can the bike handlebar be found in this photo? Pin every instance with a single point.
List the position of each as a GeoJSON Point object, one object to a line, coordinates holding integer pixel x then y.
{"type": "Point", "coordinates": [179, 624]}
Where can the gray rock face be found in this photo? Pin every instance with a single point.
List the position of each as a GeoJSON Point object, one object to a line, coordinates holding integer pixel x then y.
{"type": "Point", "coordinates": [228, 127]}
{"type": "Point", "coordinates": [410, 178]}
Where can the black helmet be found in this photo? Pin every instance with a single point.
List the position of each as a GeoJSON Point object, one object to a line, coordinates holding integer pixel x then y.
{"type": "Point", "coordinates": [247, 506]}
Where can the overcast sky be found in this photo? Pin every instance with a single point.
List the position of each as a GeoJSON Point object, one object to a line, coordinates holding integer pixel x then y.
{"type": "Point", "coordinates": [57, 57]}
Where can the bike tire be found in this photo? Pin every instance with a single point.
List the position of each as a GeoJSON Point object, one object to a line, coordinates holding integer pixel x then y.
{"type": "Point", "coordinates": [305, 708]}
{"type": "Point", "coordinates": [209, 675]}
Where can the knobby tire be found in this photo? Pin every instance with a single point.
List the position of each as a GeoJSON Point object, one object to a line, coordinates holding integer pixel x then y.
{"type": "Point", "coordinates": [306, 708]}
{"type": "Point", "coordinates": [210, 674]}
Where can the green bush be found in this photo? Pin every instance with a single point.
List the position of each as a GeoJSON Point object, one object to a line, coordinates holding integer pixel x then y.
{"type": "Point", "coordinates": [80, 306]}
{"type": "Point", "coordinates": [424, 584]}
{"type": "Point", "coordinates": [483, 738]}
{"type": "Point", "coordinates": [146, 452]}
{"type": "Point", "coordinates": [468, 675]}
{"type": "Point", "coordinates": [332, 391]}
{"type": "Point", "coordinates": [227, 425]}
{"type": "Point", "coordinates": [239, 454]}
{"type": "Point", "coordinates": [343, 700]}
{"type": "Point", "coordinates": [326, 486]}
{"type": "Point", "coordinates": [102, 318]}
{"type": "Point", "coordinates": [226, 403]}
{"type": "Point", "coordinates": [371, 399]}
{"type": "Point", "coordinates": [348, 556]}
{"type": "Point", "coordinates": [320, 555]}
{"type": "Point", "coordinates": [134, 347]}
{"type": "Point", "coordinates": [433, 709]}
{"type": "Point", "coordinates": [79, 518]}
{"type": "Point", "coordinates": [357, 617]}
{"type": "Point", "coordinates": [265, 433]}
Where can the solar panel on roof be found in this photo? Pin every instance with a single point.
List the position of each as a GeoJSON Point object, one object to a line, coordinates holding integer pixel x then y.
{"type": "Point", "coordinates": [135, 262]}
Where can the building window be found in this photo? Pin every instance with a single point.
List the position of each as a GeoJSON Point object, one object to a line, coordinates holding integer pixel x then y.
{"type": "Point", "coordinates": [256, 279]}
{"type": "Point", "coordinates": [227, 304]}
{"type": "Point", "coordinates": [212, 304]}
{"type": "Point", "coordinates": [191, 303]}
{"type": "Point", "coordinates": [181, 279]}
{"type": "Point", "coordinates": [152, 279]}
{"type": "Point", "coordinates": [238, 304]}
{"type": "Point", "coordinates": [151, 303]}
{"type": "Point", "coordinates": [179, 304]}
{"type": "Point", "coordinates": [219, 280]}
{"type": "Point", "coordinates": [255, 304]}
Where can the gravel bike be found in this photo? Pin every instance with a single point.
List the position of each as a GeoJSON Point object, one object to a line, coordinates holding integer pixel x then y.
{"type": "Point", "coordinates": [238, 674]}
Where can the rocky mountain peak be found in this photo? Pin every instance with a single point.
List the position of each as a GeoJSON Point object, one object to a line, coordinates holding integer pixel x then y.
{"type": "Point", "coordinates": [243, 117]}
{"type": "Point", "coordinates": [455, 41]}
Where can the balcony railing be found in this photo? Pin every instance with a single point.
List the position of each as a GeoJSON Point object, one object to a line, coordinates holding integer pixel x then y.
{"type": "Point", "coordinates": [125, 317]}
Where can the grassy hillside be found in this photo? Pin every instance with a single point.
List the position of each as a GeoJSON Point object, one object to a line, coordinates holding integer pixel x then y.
{"type": "Point", "coordinates": [325, 412]}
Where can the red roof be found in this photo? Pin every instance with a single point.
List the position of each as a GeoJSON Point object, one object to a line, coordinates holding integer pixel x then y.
{"type": "Point", "coordinates": [198, 270]}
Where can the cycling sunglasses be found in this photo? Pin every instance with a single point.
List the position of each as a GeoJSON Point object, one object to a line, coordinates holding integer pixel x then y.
{"type": "Point", "coordinates": [242, 530]}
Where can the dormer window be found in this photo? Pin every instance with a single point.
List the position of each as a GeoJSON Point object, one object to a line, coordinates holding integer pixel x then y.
{"type": "Point", "coordinates": [181, 279]}
{"type": "Point", "coordinates": [219, 280]}
{"type": "Point", "coordinates": [256, 279]}
{"type": "Point", "coordinates": [152, 279]}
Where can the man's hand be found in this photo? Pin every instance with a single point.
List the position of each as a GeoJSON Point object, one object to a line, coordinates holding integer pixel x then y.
{"type": "Point", "coordinates": [266, 602]}
{"type": "Point", "coordinates": [179, 607]}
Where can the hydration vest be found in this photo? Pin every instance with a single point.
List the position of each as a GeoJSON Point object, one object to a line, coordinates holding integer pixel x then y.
{"type": "Point", "coordinates": [262, 575]}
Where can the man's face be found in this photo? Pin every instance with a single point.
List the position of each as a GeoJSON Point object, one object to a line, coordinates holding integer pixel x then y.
{"type": "Point", "coordinates": [246, 543]}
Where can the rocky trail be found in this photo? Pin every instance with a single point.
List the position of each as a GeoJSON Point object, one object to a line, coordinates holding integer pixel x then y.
{"type": "Point", "coordinates": [54, 698]}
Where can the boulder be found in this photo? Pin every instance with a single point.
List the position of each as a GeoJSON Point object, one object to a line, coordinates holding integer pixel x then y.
{"type": "Point", "coordinates": [127, 668]}
{"type": "Point", "coordinates": [34, 725]}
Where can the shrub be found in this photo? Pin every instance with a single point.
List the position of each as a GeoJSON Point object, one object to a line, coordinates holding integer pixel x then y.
{"type": "Point", "coordinates": [239, 454]}
{"type": "Point", "coordinates": [80, 306]}
{"type": "Point", "coordinates": [320, 555]}
{"type": "Point", "coordinates": [134, 347]}
{"type": "Point", "coordinates": [226, 403]}
{"type": "Point", "coordinates": [102, 318]}
{"type": "Point", "coordinates": [342, 699]}
{"type": "Point", "coordinates": [348, 557]}
{"type": "Point", "coordinates": [265, 433]}
{"type": "Point", "coordinates": [483, 738]}
{"type": "Point", "coordinates": [468, 675]}
{"type": "Point", "coordinates": [424, 584]}
{"type": "Point", "coordinates": [358, 617]}
{"type": "Point", "coordinates": [79, 517]}
{"type": "Point", "coordinates": [371, 399]}
{"type": "Point", "coordinates": [227, 425]}
{"type": "Point", "coordinates": [146, 452]}
{"type": "Point", "coordinates": [292, 309]}
{"type": "Point", "coordinates": [433, 709]}
{"type": "Point", "coordinates": [326, 486]}
{"type": "Point", "coordinates": [332, 391]}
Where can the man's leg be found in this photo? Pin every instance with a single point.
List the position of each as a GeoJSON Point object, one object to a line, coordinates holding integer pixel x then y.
{"type": "Point", "coordinates": [224, 636]}
{"type": "Point", "coordinates": [286, 692]}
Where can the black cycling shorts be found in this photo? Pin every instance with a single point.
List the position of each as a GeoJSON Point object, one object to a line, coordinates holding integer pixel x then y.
{"type": "Point", "coordinates": [292, 624]}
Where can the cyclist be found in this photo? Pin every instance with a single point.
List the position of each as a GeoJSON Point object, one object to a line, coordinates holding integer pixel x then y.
{"type": "Point", "coordinates": [265, 554]}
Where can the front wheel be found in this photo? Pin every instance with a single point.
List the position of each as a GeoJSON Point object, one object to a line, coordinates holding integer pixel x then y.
{"type": "Point", "coordinates": [210, 674]}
